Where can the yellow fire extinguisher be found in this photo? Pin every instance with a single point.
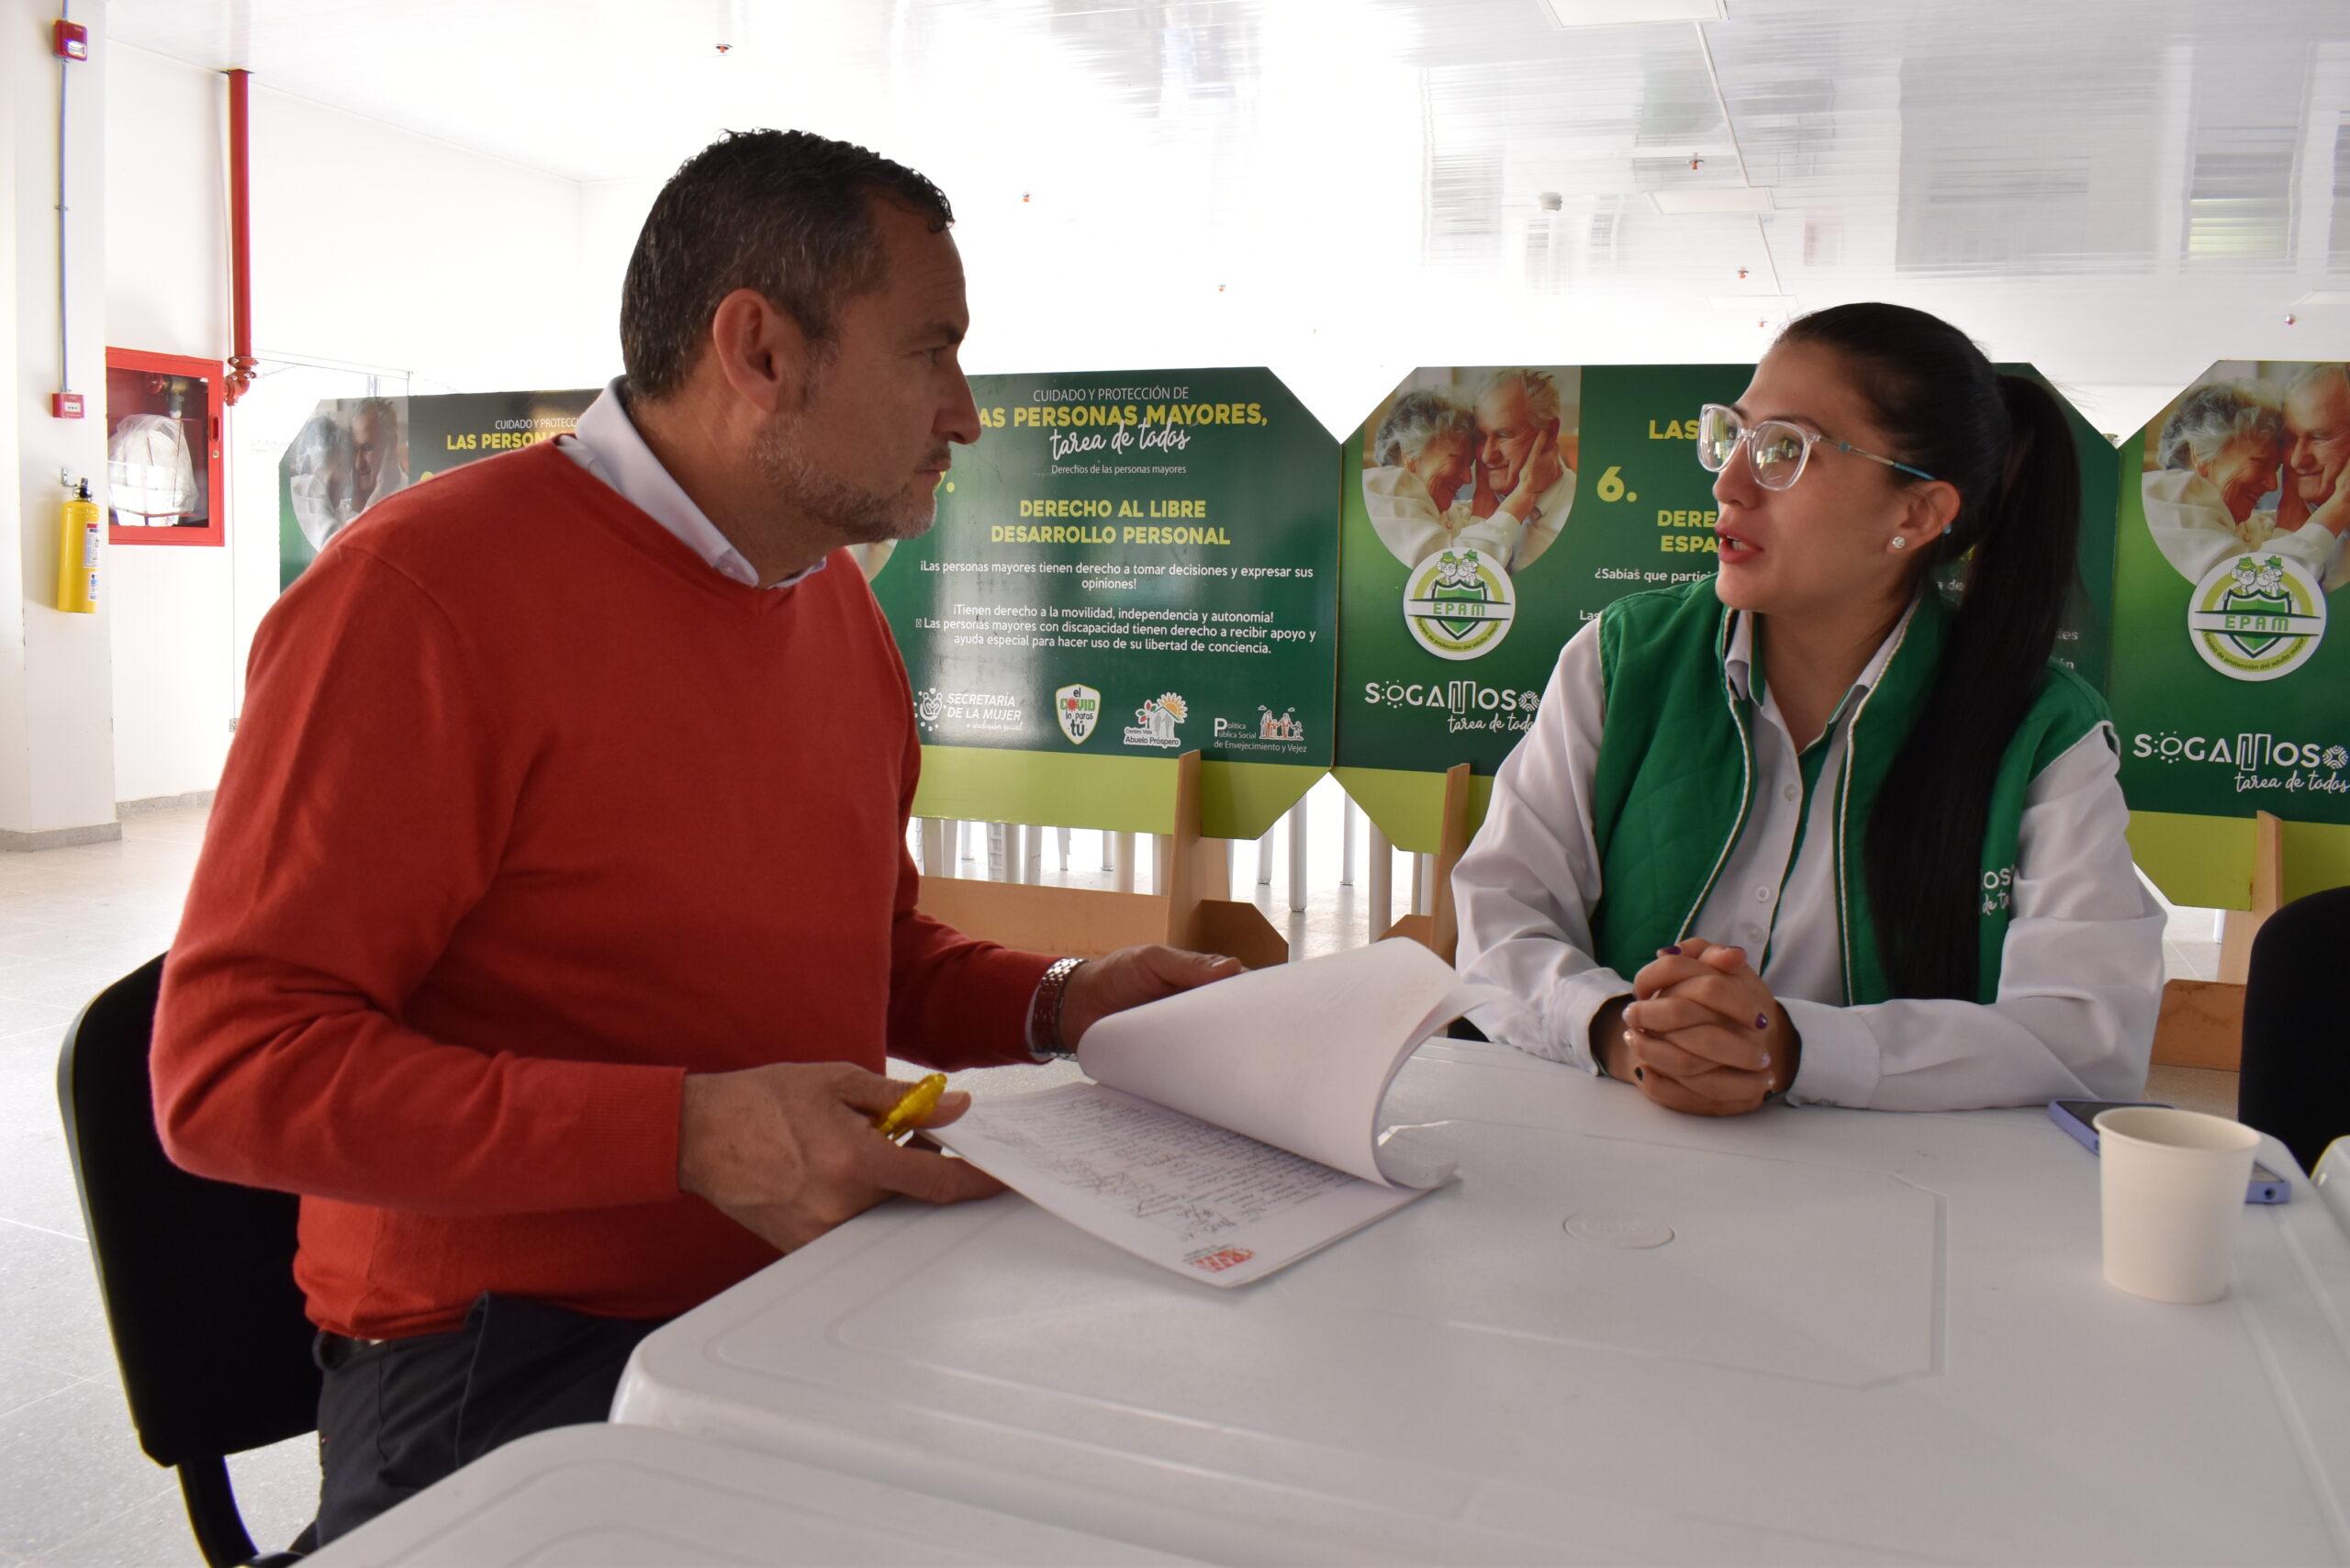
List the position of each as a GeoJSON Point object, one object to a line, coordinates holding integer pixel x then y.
{"type": "Point", "coordinates": [77, 556]}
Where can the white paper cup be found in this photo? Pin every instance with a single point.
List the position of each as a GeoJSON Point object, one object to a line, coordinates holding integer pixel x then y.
{"type": "Point", "coordinates": [2174, 1185]}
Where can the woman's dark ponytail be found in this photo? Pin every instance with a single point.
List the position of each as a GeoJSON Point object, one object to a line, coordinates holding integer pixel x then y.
{"type": "Point", "coordinates": [2005, 443]}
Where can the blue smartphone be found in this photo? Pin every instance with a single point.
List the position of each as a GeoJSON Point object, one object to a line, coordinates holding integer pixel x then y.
{"type": "Point", "coordinates": [2078, 1118]}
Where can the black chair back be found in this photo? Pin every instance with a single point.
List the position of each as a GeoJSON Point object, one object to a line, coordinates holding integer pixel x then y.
{"type": "Point", "coordinates": [2295, 1081]}
{"type": "Point", "coordinates": [198, 1275]}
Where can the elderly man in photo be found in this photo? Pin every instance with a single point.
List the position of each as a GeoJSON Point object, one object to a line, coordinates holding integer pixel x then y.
{"type": "Point", "coordinates": [1525, 472]}
{"type": "Point", "coordinates": [556, 918]}
{"type": "Point", "coordinates": [2317, 456]}
{"type": "Point", "coordinates": [378, 454]}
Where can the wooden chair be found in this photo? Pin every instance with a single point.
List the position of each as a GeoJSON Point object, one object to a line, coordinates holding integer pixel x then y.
{"type": "Point", "coordinates": [1439, 930]}
{"type": "Point", "coordinates": [2201, 1023]}
{"type": "Point", "coordinates": [1190, 911]}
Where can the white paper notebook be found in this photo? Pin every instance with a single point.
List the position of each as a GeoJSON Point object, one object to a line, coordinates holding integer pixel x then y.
{"type": "Point", "coordinates": [1231, 1130]}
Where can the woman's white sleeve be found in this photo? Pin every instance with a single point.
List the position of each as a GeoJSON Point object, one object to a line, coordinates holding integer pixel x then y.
{"type": "Point", "coordinates": [2080, 977]}
{"type": "Point", "coordinates": [1525, 888]}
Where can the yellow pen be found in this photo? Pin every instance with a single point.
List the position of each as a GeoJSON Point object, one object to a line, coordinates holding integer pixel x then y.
{"type": "Point", "coordinates": [919, 1102]}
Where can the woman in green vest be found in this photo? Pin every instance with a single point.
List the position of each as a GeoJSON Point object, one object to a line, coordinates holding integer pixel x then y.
{"type": "Point", "coordinates": [1812, 826]}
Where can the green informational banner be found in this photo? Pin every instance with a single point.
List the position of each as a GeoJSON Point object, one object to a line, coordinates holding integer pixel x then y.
{"type": "Point", "coordinates": [352, 452]}
{"type": "Point", "coordinates": [1453, 615]}
{"type": "Point", "coordinates": [1487, 514]}
{"type": "Point", "coordinates": [1125, 567]}
{"type": "Point", "coordinates": [2229, 690]}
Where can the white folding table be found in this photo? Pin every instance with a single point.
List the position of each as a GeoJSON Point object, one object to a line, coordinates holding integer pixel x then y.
{"type": "Point", "coordinates": [1624, 1335]}
{"type": "Point", "coordinates": [608, 1496]}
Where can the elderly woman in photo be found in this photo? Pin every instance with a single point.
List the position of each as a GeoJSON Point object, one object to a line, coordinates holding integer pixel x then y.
{"type": "Point", "coordinates": [1423, 491]}
{"type": "Point", "coordinates": [2220, 450]}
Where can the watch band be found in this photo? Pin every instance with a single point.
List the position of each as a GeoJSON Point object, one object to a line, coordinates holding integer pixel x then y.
{"type": "Point", "coordinates": [1045, 1012]}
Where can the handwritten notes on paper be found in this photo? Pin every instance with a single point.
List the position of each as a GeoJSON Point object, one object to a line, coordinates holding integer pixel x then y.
{"type": "Point", "coordinates": [1184, 1193]}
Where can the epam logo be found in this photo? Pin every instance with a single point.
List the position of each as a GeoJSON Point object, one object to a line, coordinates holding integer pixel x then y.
{"type": "Point", "coordinates": [1458, 606]}
{"type": "Point", "coordinates": [2253, 619]}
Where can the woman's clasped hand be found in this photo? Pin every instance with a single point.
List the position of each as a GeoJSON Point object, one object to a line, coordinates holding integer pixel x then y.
{"type": "Point", "coordinates": [1702, 1033]}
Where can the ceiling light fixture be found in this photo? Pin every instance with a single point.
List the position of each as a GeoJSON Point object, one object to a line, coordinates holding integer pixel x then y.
{"type": "Point", "coordinates": [1720, 198]}
{"type": "Point", "coordinates": [2326, 296]}
{"type": "Point", "coordinates": [1625, 13]}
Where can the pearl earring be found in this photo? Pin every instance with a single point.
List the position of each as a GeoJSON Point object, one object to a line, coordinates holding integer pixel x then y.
{"type": "Point", "coordinates": [1899, 542]}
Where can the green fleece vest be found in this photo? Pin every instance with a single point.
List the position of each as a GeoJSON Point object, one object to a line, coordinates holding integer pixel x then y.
{"type": "Point", "coordinates": [1674, 782]}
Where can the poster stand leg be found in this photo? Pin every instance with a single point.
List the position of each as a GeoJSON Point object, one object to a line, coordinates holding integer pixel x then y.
{"type": "Point", "coordinates": [1122, 861]}
{"type": "Point", "coordinates": [1215, 868]}
{"type": "Point", "coordinates": [1346, 841]}
{"type": "Point", "coordinates": [2201, 1023]}
{"type": "Point", "coordinates": [1298, 842]}
{"type": "Point", "coordinates": [1064, 834]}
{"type": "Point", "coordinates": [1191, 907]}
{"type": "Point", "coordinates": [1419, 884]}
{"type": "Point", "coordinates": [1379, 902]}
{"type": "Point", "coordinates": [1265, 860]}
{"type": "Point", "coordinates": [935, 862]}
{"type": "Point", "coordinates": [1439, 930]}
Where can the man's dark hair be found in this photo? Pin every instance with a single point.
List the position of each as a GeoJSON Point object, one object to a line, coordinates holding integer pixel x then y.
{"type": "Point", "coordinates": [785, 212]}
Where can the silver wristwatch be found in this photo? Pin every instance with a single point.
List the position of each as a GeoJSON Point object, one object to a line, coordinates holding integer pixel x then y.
{"type": "Point", "coordinates": [1044, 1013]}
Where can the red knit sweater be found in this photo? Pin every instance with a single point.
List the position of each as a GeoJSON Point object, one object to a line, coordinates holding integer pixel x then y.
{"type": "Point", "coordinates": [529, 813]}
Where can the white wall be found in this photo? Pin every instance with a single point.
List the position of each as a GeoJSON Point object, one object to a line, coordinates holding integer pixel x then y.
{"type": "Point", "coordinates": [56, 756]}
{"type": "Point", "coordinates": [167, 292]}
{"type": "Point", "coordinates": [374, 248]}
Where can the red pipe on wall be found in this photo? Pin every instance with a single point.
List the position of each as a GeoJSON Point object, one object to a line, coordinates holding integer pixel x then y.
{"type": "Point", "coordinates": [242, 363]}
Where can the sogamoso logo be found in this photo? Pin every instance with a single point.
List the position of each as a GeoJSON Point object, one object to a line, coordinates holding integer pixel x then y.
{"type": "Point", "coordinates": [2249, 753]}
{"type": "Point", "coordinates": [1455, 697]}
{"type": "Point", "coordinates": [2256, 618]}
{"type": "Point", "coordinates": [1458, 606]}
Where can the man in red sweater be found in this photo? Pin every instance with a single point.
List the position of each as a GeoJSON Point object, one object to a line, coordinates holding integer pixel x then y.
{"type": "Point", "coordinates": [555, 916]}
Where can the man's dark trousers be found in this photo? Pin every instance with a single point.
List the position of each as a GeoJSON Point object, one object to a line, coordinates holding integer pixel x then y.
{"type": "Point", "coordinates": [397, 1414]}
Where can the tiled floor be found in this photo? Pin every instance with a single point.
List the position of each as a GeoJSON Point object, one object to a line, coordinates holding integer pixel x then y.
{"type": "Point", "coordinates": [73, 1486]}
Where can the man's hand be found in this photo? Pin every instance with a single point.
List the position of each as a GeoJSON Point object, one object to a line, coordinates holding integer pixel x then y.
{"type": "Point", "coordinates": [1130, 976]}
{"type": "Point", "coordinates": [789, 1151]}
{"type": "Point", "coordinates": [2335, 515]}
{"type": "Point", "coordinates": [1703, 1034]}
{"type": "Point", "coordinates": [1543, 469]}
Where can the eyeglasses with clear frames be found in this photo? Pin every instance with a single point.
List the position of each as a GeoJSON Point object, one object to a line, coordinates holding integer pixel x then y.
{"type": "Point", "coordinates": [1777, 449]}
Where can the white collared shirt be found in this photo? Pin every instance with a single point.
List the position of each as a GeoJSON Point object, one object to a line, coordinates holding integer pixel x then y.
{"type": "Point", "coordinates": [2080, 973]}
{"type": "Point", "coordinates": [607, 444]}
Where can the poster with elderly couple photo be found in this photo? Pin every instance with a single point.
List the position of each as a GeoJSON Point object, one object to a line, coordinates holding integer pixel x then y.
{"type": "Point", "coordinates": [1488, 512]}
{"type": "Point", "coordinates": [354, 452]}
{"type": "Point", "coordinates": [2231, 551]}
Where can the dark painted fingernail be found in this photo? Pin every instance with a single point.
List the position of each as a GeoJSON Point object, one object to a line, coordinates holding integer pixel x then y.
{"type": "Point", "coordinates": [1672, 952]}
{"type": "Point", "coordinates": [1642, 1073]}
{"type": "Point", "coordinates": [1761, 1021]}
